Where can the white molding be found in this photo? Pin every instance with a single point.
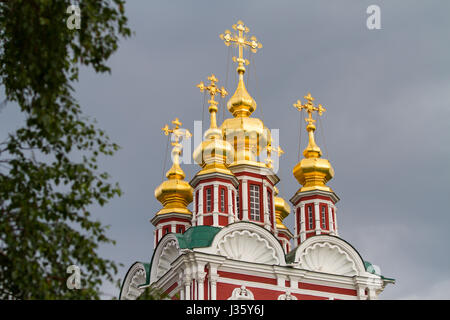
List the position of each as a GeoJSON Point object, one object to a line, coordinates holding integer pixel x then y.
{"type": "Point", "coordinates": [261, 239]}
{"type": "Point", "coordinates": [166, 252]}
{"type": "Point", "coordinates": [244, 200]}
{"type": "Point", "coordinates": [136, 277]}
{"type": "Point", "coordinates": [315, 245]}
{"type": "Point", "coordinates": [241, 293]}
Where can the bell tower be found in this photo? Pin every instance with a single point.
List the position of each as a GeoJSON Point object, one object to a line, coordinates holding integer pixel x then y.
{"type": "Point", "coordinates": [315, 202]}
{"type": "Point", "coordinates": [214, 185]}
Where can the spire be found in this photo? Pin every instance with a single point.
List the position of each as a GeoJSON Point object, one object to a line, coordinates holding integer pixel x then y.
{"type": "Point", "coordinates": [241, 103]}
{"type": "Point", "coordinates": [212, 153]}
{"type": "Point", "coordinates": [175, 194]}
{"type": "Point", "coordinates": [312, 172]}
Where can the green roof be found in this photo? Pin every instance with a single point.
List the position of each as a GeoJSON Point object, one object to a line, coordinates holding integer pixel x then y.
{"type": "Point", "coordinates": [197, 237]}
{"type": "Point", "coordinates": [370, 268]}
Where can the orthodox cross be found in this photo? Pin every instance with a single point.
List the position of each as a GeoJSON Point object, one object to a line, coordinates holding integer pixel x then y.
{"type": "Point", "coordinates": [241, 41]}
{"type": "Point", "coordinates": [310, 108]}
{"type": "Point", "coordinates": [176, 131]}
{"type": "Point", "coordinates": [213, 90]}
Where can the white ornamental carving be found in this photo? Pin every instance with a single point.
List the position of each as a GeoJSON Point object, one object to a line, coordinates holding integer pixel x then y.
{"type": "Point", "coordinates": [327, 258]}
{"type": "Point", "coordinates": [169, 253]}
{"type": "Point", "coordinates": [287, 296]}
{"type": "Point", "coordinates": [241, 293]}
{"type": "Point", "coordinates": [137, 279]}
{"type": "Point", "coordinates": [247, 246]}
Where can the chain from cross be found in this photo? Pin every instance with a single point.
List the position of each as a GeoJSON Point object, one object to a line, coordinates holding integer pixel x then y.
{"type": "Point", "coordinates": [176, 131]}
{"type": "Point", "coordinates": [241, 41]}
{"type": "Point", "coordinates": [310, 108]}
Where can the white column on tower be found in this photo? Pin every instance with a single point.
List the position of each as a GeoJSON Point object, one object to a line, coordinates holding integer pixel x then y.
{"type": "Point", "coordinates": [296, 220]}
{"type": "Point", "coordinates": [317, 216]}
{"type": "Point", "coordinates": [200, 207]}
{"type": "Point", "coordinates": [216, 205]}
{"type": "Point", "coordinates": [244, 200]}
{"type": "Point", "coordinates": [266, 208]}
{"type": "Point", "coordinates": [194, 216]}
{"type": "Point", "coordinates": [230, 207]}
{"type": "Point", "coordinates": [159, 232]}
{"type": "Point", "coordinates": [302, 223]}
{"type": "Point", "coordinates": [330, 219]}
{"type": "Point", "coordinates": [335, 220]}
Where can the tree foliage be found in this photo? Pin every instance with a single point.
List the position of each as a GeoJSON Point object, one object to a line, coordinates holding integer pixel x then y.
{"type": "Point", "coordinates": [49, 176]}
{"type": "Point", "coordinates": [153, 293]}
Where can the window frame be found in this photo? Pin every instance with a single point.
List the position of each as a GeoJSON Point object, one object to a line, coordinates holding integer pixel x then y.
{"type": "Point", "coordinates": [223, 199]}
{"type": "Point", "coordinates": [310, 216]}
{"type": "Point", "coordinates": [205, 199]}
{"type": "Point", "coordinates": [260, 204]}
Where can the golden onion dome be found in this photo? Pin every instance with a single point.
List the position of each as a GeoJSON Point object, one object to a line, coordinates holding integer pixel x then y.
{"type": "Point", "coordinates": [241, 104]}
{"type": "Point", "coordinates": [282, 210]}
{"type": "Point", "coordinates": [213, 154]}
{"type": "Point", "coordinates": [175, 194]}
{"type": "Point", "coordinates": [312, 172]}
{"type": "Point", "coordinates": [248, 136]}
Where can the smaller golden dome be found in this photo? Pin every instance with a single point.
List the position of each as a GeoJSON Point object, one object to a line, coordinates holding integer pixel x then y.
{"type": "Point", "coordinates": [282, 210]}
{"type": "Point", "coordinates": [312, 172]}
{"type": "Point", "coordinates": [214, 153]}
{"type": "Point", "coordinates": [241, 104]}
{"type": "Point", "coordinates": [175, 194]}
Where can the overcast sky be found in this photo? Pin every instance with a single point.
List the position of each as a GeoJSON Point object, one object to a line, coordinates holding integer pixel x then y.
{"type": "Point", "coordinates": [386, 129]}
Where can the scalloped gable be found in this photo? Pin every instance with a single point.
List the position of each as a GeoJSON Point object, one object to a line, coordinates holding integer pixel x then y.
{"type": "Point", "coordinates": [246, 241]}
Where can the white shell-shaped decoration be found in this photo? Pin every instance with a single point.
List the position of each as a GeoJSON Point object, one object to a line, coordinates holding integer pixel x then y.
{"type": "Point", "coordinates": [169, 253]}
{"type": "Point", "coordinates": [327, 258]}
{"type": "Point", "coordinates": [247, 246]}
{"type": "Point", "coordinates": [138, 279]}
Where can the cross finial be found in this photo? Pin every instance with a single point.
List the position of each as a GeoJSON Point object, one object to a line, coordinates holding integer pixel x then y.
{"type": "Point", "coordinates": [240, 40]}
{"type": "Point", "coordinates": [213, 90]}
{"type": "Point", "coordinates": [310, 108]}
{"type": "Point", "coordinates": [176, 131]}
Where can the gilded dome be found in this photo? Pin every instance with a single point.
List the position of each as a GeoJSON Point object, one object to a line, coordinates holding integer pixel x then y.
{"type": "Point", "coordinates": [282, 210]}
{"type": "Point", "coordinates": [214, 153]}
{"type": "Point", "coordinates": [175, 194]}
{"type": "Point", "coordinates": [312, 172]}
{"type": "Point", "coordinates": [248, 136]}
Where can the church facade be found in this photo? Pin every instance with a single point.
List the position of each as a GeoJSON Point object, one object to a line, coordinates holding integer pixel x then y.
{"type": "Point", "coordinates": [233, 244]}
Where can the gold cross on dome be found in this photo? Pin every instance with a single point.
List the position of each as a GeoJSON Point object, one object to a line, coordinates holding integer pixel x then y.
{"type": "Point", "coordinates": [310, 108]}
{"type": "Point", "coordinates": [213, 89]}
{"type": "Point", "coordinates": [176, 131]}
{"type": "Point", "coordinates": [241, 41]}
